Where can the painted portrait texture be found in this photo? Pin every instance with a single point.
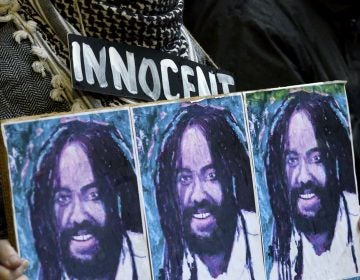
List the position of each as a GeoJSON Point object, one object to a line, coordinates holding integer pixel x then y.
{"type": "Point", "coordinates": [301, 142]}
{"type": "Point", "coordinates": [75, 196]}
{"type": "Point", "coordinates": [198, 192]}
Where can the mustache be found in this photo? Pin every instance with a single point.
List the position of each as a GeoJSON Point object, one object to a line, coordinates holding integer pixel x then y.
{"type": "Point", "coordinates": [200, 207]}
{"type": "Point", "coordinates": [85, 227]}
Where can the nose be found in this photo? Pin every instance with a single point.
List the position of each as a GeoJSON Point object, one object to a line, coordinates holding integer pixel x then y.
{"type": "Point", "coordinates": [78, 213]}
{"type": "Point", "coordinates": [198, 194]}
{"type": "Point", "coordinates": [303, 175]}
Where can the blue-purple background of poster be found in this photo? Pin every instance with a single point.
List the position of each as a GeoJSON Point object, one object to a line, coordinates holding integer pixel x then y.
{"type": "Point", "coordinates": [150, 123]}
{"type": "Point", "coordinates": [261, 107]}
{"type": "Point", "coordinates": [23, 142]}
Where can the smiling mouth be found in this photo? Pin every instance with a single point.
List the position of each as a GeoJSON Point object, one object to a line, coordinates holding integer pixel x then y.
{"type": "Point", "coordinates": [307, 196]}
{"type": "Point", "coordinates": [82, 237]}
{"type": "Point", "coordinates": [201, 216]}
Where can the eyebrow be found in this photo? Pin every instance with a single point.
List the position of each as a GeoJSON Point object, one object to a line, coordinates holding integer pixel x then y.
{"type": "Point", "coordinates": [181, 169]}
{"type": "Point", "coordinates": [83, 189]}
{"type": "Point", "coordinates": [202, 170]}
{"type": "Point", "coordinates": [207, 167]}
{"type": "Point", "coordinates": [312, 150]}
{"type": "Point", "coordinates": [61, 189]}
{"type": "Point", "coordinates": [288, 152]}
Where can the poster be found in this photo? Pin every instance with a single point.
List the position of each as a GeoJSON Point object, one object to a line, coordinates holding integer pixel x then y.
{"type": "Point", "coordinates": [75, 196]}
{"type": "Point", "coordinates": [300, 139]}
{"type": "Point", "coordinates": [197, 190]}
{"type": "Point", "coordinates": [254, 185]}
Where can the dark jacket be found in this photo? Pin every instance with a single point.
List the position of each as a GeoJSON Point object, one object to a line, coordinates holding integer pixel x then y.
{"type": "Point", "coordinates": [271, 43]}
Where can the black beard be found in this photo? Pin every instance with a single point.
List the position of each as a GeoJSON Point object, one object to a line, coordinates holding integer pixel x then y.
{"type": "Point", "coordinates": [325, 218]}
{"type": "Point", "coordinates": [105, 260]}
{"type": "Point", "coordinates": [223, 236]}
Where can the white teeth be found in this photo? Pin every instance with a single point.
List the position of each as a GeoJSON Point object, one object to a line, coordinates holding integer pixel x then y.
{"type": "Point", "coordinates": [201, 215]}
{"type": "Point", "coordinates": [307, 195]}
{"type": "Point", "coordinates": [82, 237]}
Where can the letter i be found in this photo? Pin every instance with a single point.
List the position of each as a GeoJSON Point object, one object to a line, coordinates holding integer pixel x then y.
{"type": "Point", "coordinates": [76, 57]}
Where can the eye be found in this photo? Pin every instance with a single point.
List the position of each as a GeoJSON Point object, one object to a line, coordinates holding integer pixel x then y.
{"type": "Point", "coordinates": [210, 175]}
{"type": "Point", "coordinates": [316, 158]}
{"type": "Point", "coordinates": [292, 160]}
{"type": "Point", "coordinates": [92, 194]}
{"type": "Point", "coordinates": [63, 198]}
{"type": "Point", "coordinates": [184, 179]}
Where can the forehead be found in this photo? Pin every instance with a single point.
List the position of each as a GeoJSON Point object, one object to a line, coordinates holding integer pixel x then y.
{"type": "Point", "coordinates": [300, 132]}
{"type": "Point", "coordinates": [194, 148]}
{"type": "Point", "coordinates": [75, 169]}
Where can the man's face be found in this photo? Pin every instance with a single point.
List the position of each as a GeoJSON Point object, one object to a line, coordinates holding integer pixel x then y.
{"type": "Point", "coordinates": [79, 211]}
{"type": "Point", "coordinates": [304, 167]}
{"type": "Point", "coordinates": [199, 190]}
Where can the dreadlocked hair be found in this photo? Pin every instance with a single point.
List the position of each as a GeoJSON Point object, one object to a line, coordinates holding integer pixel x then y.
{"type": "Point", "coordinates": [105, 149]}
{"type": "Point", "coordinates": [332, 133]}
{"type": "Point", "coordinates": [230, 158]}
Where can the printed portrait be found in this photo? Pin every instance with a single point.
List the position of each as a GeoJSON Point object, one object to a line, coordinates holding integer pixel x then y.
{"type": "Point", "coordinates": [198, 192]}
{"type": "Point", "coordinates": [75, 197]}
{"type": "Point", "coordinates": [304, 170]}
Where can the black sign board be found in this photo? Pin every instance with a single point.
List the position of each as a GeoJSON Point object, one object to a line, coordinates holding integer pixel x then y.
{"type": "Point", "coordinates": [129, 71]}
